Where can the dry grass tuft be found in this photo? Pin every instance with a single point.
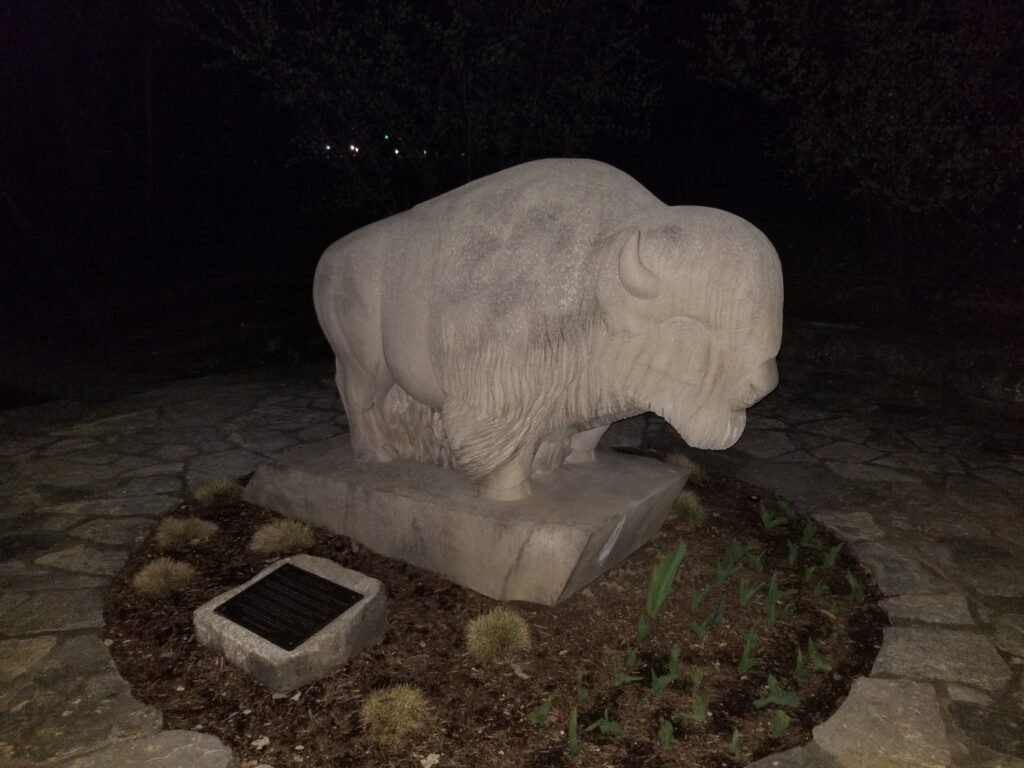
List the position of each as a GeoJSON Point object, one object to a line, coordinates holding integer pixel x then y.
{"type": "Point", "coordinates": [689, 508]}
{"type": "Point", "coordinates": [218, 491]}
{"type": "Point", "coordinates": [391, 715]}
{"type": "Point", "coordinates": [182, 532]}
{"type": "Point", "coordinates": [497, 636]}
{"type": "Point", "coordinates": [163, 576]}
{"type": "Point", "coordinates": [697, 473]}
{"type": "Point", "coordinates": [282, 536]}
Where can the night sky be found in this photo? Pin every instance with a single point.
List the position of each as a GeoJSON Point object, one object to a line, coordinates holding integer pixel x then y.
{"type": "Point", "coordinates": [158, 202]}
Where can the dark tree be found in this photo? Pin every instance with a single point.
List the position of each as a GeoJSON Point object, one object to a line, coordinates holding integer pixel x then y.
{"type": "Point", "coordinates": [913, 111]}
{"type": "Point", "coordinates": [402, 100]}
{"type": "Point", "coordinates": [77, 173]}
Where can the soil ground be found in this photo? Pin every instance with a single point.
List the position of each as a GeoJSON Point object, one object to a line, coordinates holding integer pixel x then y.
{"type": "Point", "coordinates": [480, 712]}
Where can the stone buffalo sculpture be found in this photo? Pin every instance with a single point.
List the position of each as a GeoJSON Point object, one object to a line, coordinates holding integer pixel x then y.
{"type": "Point", "coordinates": [501, 327]}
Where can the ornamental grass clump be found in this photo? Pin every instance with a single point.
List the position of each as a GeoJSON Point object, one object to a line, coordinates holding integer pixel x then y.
{"type": "Point", "coordinates": [174, 532]}
{"type": "Point", "coordinates": [218, 491]}
{"type": "Point", "coordinates": [497, 636]}
{"type": "Point", "coordinates": [689, 508]}
{"type": "Point", "coordinates": [698, 475]}
{"type": "Point", "coordinates": [390, 716]}
{"type": "Point", "coordinates": [282, 536]}
{"type": "Point", "coordinates": [163, 576]}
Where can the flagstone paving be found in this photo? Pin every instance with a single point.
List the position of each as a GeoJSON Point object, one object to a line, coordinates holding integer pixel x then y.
{"type": "Point", "coordinates": [933, 504]}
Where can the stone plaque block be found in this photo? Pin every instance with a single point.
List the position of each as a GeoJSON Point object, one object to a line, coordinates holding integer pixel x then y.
{"type": "Point", "coordinates": [289, 605]}
{"type": "Point", "coordinates": [580, 521]}
{"type": "Point", "coordinates": [329, 648]}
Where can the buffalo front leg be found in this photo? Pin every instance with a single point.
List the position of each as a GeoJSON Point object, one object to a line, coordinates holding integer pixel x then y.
{"type": "Point", "coordinates": [496, 451]}
{"type": "Point", "coordinates": [510, 481]}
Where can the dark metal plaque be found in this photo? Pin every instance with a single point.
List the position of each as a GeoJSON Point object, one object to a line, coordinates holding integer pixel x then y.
{"type": "Point", "coordinates": [288, 606]}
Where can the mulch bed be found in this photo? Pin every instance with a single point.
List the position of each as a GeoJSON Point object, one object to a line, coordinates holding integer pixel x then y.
{"type": "Point", "coordinates": [481, 711]}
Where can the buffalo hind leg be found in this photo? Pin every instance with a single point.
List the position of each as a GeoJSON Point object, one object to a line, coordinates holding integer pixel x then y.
{"type": "Point", "coordinates": [363, 395]}
{"type": "Point", "coordinates": [583, 445]}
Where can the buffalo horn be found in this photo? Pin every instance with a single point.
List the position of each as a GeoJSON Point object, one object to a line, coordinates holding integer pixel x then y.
{"type": "Point", "coordinates": [636, 278]}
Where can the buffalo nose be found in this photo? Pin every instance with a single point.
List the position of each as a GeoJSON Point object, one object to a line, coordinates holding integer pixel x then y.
{"type": "Point", "coordinates": [759, 383]}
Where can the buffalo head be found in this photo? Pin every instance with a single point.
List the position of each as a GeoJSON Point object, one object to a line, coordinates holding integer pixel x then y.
{"type": "Point", "coordinates": [695, 303]}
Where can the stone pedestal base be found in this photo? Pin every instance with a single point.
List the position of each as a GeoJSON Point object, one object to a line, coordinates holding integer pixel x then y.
{"type": "Point", "coordinates": [580, 521]}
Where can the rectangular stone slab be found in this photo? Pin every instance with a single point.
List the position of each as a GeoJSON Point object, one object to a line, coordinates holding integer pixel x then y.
{"type": "Point", "coordinates": [580, 520]}
{"type": "Point", "coordinates": [364, 624]}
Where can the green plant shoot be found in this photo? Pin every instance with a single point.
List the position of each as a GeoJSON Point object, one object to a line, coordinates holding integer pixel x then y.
{"type": "Point", "coordinates": [830, 557]}
{"type": "Point", "coordinates": [773, 601]}
{"type": "Point", "coordinates": [698, 711]}
{"type": "Point", "coordinates": [663, 578]}
{"type": "Point", "coordinates": [768, 520]}
{"type": "Point", "coordinates": [793, 551]}
{"type": "Point", "coordinates": [856, 588]}
{"type": "Point", "coordinates": [745, 594]}
{"type": "Point", "coordinates": [779, 723]}
{"type": "Point", "coordinates": [642, 630]}
{"type": "Point", "coordinates": [697, 598]}
{"type": "Point", "coordinates": [539, 716]}
{"type": "Point", "coordinates": [819, 590]}
{"type": "Point", "coordinates": [732, 746]}
{"type": "Point", "coordinates": [808, 534]}
{"type": "Point", "coordinates": [800, 670]}
{"type": "Point", "coordinates": [582, 694]}
{"type": "Point", "coordinates": [776, 696]}
{"type": "Point", "coordinates": [666, 733]}
{"type": "Point", "coordinates": [621, 677]}
{"type": "Point", "coordinates": [701, 629]}
{"type": "Point", "coordinates": [573, 733]}
{"type": "Point", "coordinates": [755, 561]}
{"type": "Point", "coordinates": [661, 682]}
{"type": "Point", "coordinates": [606, 725]}
{"type": "Point", "coordinates": [808, 573]}
{"type": "Point", "coordinates": [786, 506]}
{"type": "Point", "coordinates": [673, 661]}
{"type": "Point", "coordinates": [696, 677]}
{"type": "Point", "coordinates": [818, 662]}
{"type": "Point", "coordinates": [734, 552]}
{"type": "Point", "coordinates": [724, 572]}
{"type": "Point", "coordinates": [747, 662]}
{"type": "Point", "coordinates": [630, 656]}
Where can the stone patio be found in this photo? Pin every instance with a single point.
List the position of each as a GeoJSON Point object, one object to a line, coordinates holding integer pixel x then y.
{"type": "Point", "coordinates": [933, 503]}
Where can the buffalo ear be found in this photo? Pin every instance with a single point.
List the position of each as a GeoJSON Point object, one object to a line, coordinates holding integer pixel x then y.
{"type": "Point", "coordinates": [634, 275]}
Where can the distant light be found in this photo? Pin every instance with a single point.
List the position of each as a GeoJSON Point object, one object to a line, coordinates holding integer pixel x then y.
{"type": "Point", "coordinates": [424, 153]}
{"type": "Point", "coordinates": [328, 147]}
{"type": "Point", "coordinates": [387, 136]}
{"type": "Point", "coordinates": [396, 151]}
{"type": "Point", "coordinates": [353, 148]}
